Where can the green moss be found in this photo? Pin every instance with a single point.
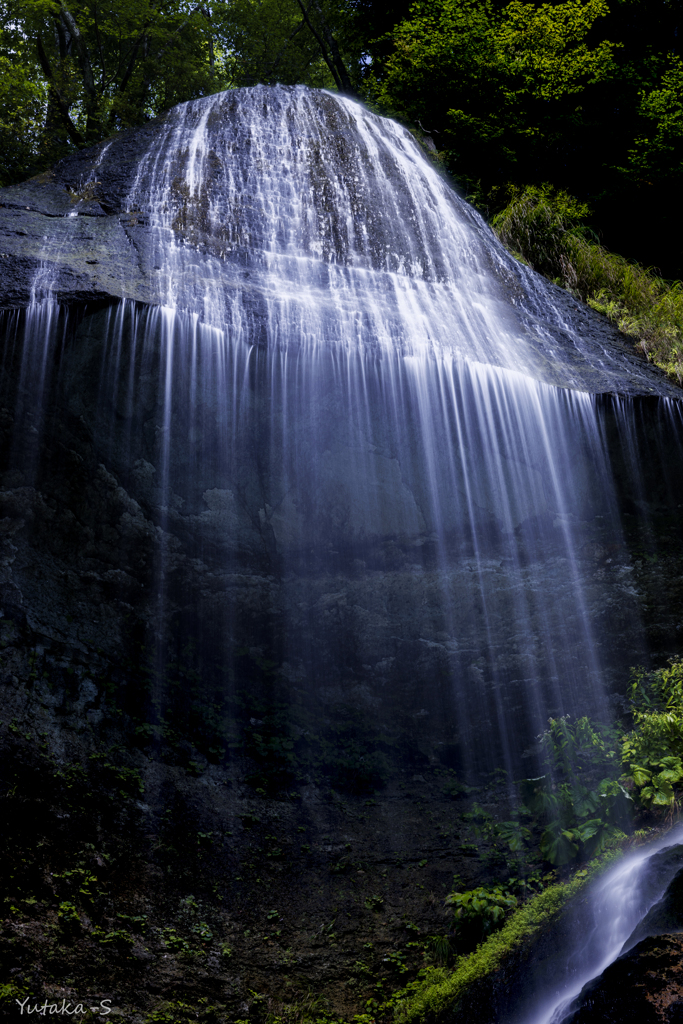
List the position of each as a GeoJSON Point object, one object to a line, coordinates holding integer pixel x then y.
{"type": "Point", "coordinates": [441, 988]}
{"type": "Point", "coordinates": [9, 992]}
{"type": "Point", "coordinates": [545, 228]}
{"type": "Point", "coordinates": [179, 1011]}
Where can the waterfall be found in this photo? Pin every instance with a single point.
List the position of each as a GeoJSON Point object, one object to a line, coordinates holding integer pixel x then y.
{"type": "Point", "coordinates": [370, 443]}
{"type": "Point", "coordinates": [609, 922]}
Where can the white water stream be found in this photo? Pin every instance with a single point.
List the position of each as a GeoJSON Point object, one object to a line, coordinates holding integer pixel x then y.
{"type": "Point", "coordinates": [615, 905]}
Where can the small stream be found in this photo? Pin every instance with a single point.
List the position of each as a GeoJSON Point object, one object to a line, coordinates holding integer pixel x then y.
{"type": "Point", "coordinates": [608, 922]}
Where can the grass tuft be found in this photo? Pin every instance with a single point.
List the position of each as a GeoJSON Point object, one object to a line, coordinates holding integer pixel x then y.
{"type": "Point", "coordinates": [545, 228]}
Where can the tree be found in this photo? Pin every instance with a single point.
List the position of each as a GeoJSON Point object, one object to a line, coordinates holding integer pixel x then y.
{"type": "Point", "coordinates": [107, 64]}
{"type": "Point", "coordinates": [74, 71]}
{"type": "Point", "coordinates": [585, 96]}
{"type": "Point", "coordinates": [503, 87]}
{"type": "Point", "coordinates": [314, 42]}
{"type": "Point", "coordinates": [22, 101]}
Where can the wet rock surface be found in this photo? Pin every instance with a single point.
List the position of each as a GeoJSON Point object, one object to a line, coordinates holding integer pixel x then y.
{"type": "Point", "coordinates": [665, 916]}
{"type": "Point", "coordinates": [641, 987]}
{"type": "Point", "coordinates": [644, 983]}
{"type": "Point", "coordinates": [88, 528]}
{"type": "Point", "coordinates": [138, 880]}
{"type": "Point", "coordinates": [261, 838]}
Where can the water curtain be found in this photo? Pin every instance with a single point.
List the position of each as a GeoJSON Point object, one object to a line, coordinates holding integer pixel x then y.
{"type": "Point", "coordinates": [372, 433]}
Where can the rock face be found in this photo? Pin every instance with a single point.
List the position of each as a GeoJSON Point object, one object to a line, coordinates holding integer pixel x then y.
{"type": "Point", "coordinates": [641, 987]}
{"type": "Point", "coordinates": [318, 539]}
{"type": "Point", "coordinates": [273, 551]}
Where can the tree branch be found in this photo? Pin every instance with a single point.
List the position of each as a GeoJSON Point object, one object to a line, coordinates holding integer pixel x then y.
{"type": "Point", "coordinates": [99, 46]}
{"type": "Point", "coordinates": [212, 59]}
{"type": "Point", "coordinates": [286, 43]}
{"type": "Point", "coordinates": [330, 65]}
{"type": "Point", "coordinates": [82, 51]}
{"type": "Point", "coordinates": [93, 127]}
{"type": "Point", "coordinates": [334, 50]}
{"type": "Point", "coordinates": [62, 104]}
{"type": "Point", "coordinates": [131, 63]}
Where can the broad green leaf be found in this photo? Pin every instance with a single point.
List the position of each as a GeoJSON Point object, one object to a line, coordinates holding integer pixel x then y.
{"type": "Point", "coordinates": [588, 829]}
{"type": "Point", "coordinates": [640, 775]}
{"type": "Point", "coordinates": [560, 848]}
{"type": "Point", "coordinates": [585, 801]}
{"type": "Point", "coordinates": [663, 792]}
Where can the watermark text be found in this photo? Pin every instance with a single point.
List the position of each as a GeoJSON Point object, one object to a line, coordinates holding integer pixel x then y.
{"type": "Point", "coordinates": [65, 1008]}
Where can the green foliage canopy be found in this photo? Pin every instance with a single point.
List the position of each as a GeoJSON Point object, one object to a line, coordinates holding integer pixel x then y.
{"type": "Point", "coordinates": [22, 101]}
{"type": "Point", "coordinates": [95, 67]}
{"type": "Point", "coordinates": [657, 154]}
{"type": "Point", "coordinates": [494, 79]}
{"type": "Point", "coordinates": [74, 71]}
{"type": "Point", "coordinates": [585, 94]}
{"type": "Point", "coordinates": [316, 42]}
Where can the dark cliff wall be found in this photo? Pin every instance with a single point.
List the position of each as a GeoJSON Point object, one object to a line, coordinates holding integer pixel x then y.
{"type": "Point", "coordinates": [336, 806]}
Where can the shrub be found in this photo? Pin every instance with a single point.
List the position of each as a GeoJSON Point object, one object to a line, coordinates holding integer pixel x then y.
{"type": "Point", "coordinates": [478, 912]}
{"type": "Point", "coordinates": [580, 797]}
{"type": "Point", "coordinates": [545, 227]}
{"type": "Point", "coordinates": [652, 753]}
{"type": "Point", "coordinates": [68, 916]}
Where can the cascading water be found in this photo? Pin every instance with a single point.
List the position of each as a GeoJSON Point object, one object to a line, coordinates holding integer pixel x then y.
{"type": "Point", "coordinates": [610, 921]}
{"type": "Point", "coordinates": [372, 435]}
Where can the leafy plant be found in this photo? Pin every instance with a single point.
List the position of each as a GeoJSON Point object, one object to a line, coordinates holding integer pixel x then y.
{"type": "Point", "coordinates": [174, 941]}
{"type": "Point", "coordinates": [516, 835]}
{"type": "Point", "coordinates": [440, 948]}
{"type": "Point", "coordinates": [374, 902]}
{"type": "Point", "coordinates": [583, 812]}
{"type": "Point", "coordinates": [67, 914]}
{"type": "Point", "coordinates": [582, 798]}
{"type": "Point", "coordinates": [119, 938]}
{"type": "Point", "coordinates": [478, 912]}
{"type": "Point", "coordinates": [652, 752]}
{"type": "Point", "coordinates": [203, 931]}
{"type": "Point", "coordinates": [397, 961]}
